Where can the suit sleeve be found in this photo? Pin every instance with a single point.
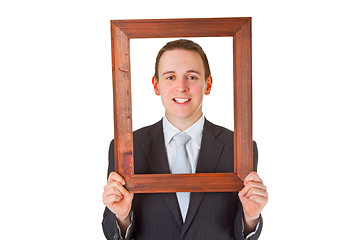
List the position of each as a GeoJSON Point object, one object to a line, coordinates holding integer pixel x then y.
{"type": "Point", "coordinates": [239, 226]}
{"type": "Point", "coordinates": [109, 224]}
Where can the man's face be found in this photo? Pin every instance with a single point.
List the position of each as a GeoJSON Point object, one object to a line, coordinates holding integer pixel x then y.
{"type": "Point", "coordinates": [182, 85]}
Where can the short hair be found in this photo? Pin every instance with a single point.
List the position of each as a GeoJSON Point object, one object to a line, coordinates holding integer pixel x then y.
{"type": "Point", "coordinates": [186, 45]}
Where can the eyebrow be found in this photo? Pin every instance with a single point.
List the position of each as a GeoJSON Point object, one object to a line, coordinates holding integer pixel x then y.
{"type": "Point", "coordinates": [167, 72]}
{"type": "Point", "coordinates": [188, 71]}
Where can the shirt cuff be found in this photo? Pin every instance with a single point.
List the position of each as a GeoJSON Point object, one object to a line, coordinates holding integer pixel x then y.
{"type": "Point", "coordinates": [128, 229]}
{"type": "Point", "coordinates": [252, 233]}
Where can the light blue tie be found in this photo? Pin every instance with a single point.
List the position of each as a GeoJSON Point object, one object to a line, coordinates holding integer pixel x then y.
{"type": "Point", "coordinates": [182, 165]}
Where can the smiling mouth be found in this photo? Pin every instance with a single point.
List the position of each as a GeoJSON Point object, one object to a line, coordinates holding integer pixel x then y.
{"type": "Point", "coordinates": [181, 100]}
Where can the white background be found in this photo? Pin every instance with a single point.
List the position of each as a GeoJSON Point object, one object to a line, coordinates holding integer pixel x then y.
{"type": "Point", "coordinates": [57, 120]}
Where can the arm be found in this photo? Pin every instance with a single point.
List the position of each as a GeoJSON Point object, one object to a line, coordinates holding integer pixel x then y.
{"type": "Point", "coordinates": [118, 202]}
{"type": "Point", "coordinates": [253, 197]}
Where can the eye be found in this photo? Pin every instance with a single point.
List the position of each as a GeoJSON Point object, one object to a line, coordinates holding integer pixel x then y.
{"type": "Point", "coordinates": [190, 77]}
{"type": "Point", "coordinates": [170, 77]}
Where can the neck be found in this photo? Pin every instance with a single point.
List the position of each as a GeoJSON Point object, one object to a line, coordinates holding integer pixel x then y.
{"type": "Point", "coordinates": [182, 124]}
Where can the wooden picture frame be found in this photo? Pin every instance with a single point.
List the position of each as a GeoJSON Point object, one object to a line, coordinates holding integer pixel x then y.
{"type": "Point", "coordinates": [121, 33]}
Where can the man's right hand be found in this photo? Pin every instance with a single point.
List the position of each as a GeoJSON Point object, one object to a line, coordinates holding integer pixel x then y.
{"type": "Point", "coordinates": [118, 199]}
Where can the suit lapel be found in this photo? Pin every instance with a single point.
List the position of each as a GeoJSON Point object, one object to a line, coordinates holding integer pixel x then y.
{"type": "Point", "coordinates": [210, 149]}
{"type": "Point", "coordinates": [209, 155]}
{"type": "Point", "coordinates": [157, 159]}
{"type": "Point", "coordinates": [154, 149]}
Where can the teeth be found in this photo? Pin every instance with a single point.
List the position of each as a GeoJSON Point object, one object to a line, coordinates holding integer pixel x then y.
{"type": "Point", "coordinates": [181, 100]}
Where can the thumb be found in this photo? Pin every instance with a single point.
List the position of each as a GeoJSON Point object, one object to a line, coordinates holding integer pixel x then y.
{"type": "Point", "coordinates": [129, 197]}
{"type": "Point", "coordinates": [244, 200]}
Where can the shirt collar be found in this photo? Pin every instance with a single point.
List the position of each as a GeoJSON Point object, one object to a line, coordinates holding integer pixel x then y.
{"type": "Point", "coordinates": [195, 131]}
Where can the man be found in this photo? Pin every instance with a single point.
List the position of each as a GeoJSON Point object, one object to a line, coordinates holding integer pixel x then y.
{"type": "Point", "coordinates": [182, 77]}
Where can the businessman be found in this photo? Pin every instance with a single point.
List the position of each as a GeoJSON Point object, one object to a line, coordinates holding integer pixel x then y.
{"type": "Point", "coordinates": [183, 141]}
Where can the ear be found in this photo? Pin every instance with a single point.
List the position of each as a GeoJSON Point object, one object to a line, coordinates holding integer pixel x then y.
{"type": "Point", "coordinates": [155, 84]}
{"type": "Point", "coordinates": [208, 85]}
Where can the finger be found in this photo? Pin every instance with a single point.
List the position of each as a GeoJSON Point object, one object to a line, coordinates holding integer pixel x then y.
{"type": "Point", "coordinates": [112, 190]}
{"type": "Point", "coordinates": [256, 192]}
{"type": "Point", "coordinates": [252, 184]}
{"type": "Point", "coordinates": [259, 199]}
{"type": "Point", "coordinates": [256, 184]}
{"type": "Point", "coordinates": [111, 199]}
{"type": "Point", "coordinates": [121, 188]}
{"type": "Point", "coordinates": [253, 176]}
{"type": "Point", "coordinates": [118, 186]}
{"type": "Point", "coordinates": [113, 176]}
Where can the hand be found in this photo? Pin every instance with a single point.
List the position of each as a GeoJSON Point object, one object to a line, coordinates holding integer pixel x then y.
{"type": "Point", "coordinates": [253, 197]}
{"type": "Point", "coordinates": [118, 199]}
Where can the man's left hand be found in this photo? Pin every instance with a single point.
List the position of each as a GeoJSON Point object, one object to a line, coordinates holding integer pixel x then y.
{"type": "Point", "coordinates": [253, 197]}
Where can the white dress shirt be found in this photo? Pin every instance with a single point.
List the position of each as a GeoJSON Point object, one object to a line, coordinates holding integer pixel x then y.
{"type": "Point", "coordinates": [192, 146]}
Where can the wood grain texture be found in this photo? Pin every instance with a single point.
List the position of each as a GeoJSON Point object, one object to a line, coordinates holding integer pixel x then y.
{"type": "Point", "coordinates": [188, 27]}
{"type": "Point", "coordinates": [121, 33]}
{"type": "Point", "coordinates": [243, 144]}
{"type": "Point", "coordinates": [141, 183]}
{"type": "Point", "coordinates": [123, 140]}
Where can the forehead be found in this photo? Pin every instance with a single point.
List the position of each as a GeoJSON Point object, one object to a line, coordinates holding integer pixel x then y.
{"type": "Point", "coordinates": [181, 59]}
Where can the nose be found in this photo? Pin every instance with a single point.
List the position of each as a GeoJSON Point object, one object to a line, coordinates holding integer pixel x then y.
{"type": "Point", "coordinates": [181, 85]}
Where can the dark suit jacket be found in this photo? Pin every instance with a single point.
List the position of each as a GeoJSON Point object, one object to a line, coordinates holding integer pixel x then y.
{"type": "Point", "coordinates": [157, 215]}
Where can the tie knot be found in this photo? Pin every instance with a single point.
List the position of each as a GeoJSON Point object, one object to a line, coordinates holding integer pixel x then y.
{"type": "Point", "coordinates": [181, 138]}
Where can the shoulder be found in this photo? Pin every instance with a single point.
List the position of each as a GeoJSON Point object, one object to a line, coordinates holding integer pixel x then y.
{"type": "Point", "coordinates": [217, 131]}
{"type": "Point", "coordinates": [143, 132]}
{"type": "Point", "coordinates": [148, 130]}
{"type": "Point", "coordinates": [222, 131]}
